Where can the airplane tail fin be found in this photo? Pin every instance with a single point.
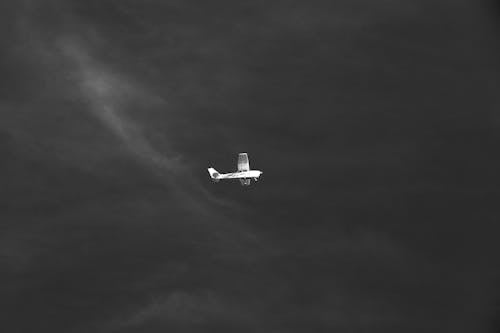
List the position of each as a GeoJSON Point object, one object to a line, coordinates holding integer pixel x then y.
{"type": "Point", "coordinates": [213, 173]}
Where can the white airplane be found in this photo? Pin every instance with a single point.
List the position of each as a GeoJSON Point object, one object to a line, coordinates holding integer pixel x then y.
{"type": "Point", "coordinates": [244, 174]}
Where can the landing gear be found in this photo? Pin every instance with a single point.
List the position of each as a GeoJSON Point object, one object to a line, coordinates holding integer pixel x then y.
{"type": "Point", "coordinates": [245, 181]}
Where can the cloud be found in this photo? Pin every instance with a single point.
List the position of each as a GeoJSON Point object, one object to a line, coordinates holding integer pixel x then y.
{"type": "Point", "coordinates": [108, 95]}
{"type": "Point", "coordinates": [183, 309]}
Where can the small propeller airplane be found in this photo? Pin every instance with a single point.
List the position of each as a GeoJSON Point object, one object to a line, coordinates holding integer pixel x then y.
{"type": "Point", "coordinates": [244, 174]}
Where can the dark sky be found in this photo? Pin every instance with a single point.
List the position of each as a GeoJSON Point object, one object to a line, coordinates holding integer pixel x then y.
{"type": "Point", "coordinates": [376, 125]}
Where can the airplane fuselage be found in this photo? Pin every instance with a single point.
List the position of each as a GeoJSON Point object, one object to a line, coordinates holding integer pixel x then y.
{"type": "Point", "coordinates": [240, 174]}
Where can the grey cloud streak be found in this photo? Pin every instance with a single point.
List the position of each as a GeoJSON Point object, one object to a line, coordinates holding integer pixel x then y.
{"type": "Point", "coordinates": [108, 96]}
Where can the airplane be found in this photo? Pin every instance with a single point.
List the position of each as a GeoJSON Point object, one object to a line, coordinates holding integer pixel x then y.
{"type": "Point", "coordinates": [244, 174]}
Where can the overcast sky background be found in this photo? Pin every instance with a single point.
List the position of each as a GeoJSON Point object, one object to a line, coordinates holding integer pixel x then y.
{"type": "Point", "coordinates": [376, 125]}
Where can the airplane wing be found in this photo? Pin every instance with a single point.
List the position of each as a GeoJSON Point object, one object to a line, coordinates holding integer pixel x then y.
{"type": "Point", "coordinates": [243, 164]}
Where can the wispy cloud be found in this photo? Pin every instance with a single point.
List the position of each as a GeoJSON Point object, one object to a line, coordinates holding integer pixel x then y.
{"type": "Point", "coordinates": [187, 309]}
{"type": "Point", "coordinates": [107, 94]}
{"type": "Point", "coordinates": [110, 96]}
